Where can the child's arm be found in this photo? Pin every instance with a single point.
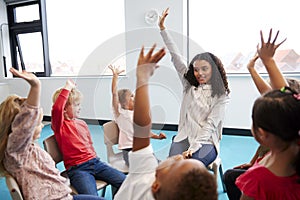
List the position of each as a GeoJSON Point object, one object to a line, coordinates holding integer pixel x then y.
{"type": "Point", "coordinates": [266, 53]}
{"type": "Point", "coordinates": [259, 82]}
{"type": "Point", "coordinates": [33, 97]}
{"type": "Point", "coordinates": [141, 117]}
{"type": "Point", "coordinates": [58, 107]}
{"type": "Point", "coordinates": [114, 88]}
{"type": "Point", "coordinates": [159, 137]}
{"type": "Point", "coordinates": [25, 122]}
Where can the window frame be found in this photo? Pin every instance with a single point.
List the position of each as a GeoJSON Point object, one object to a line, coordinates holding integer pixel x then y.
{"type": "Point", "coordinates": [34, 26]}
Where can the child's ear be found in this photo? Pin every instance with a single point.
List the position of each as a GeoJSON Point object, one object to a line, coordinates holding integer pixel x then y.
{"type": "Point", "coordinates": [262, 133]}
{"type": "Point", "coordinates": [155, 187]}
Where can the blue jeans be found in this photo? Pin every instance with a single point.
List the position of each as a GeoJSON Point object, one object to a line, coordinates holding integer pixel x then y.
{"type": "Point", "coordinates": [86, 197]}
{"type": "Point", "coordinates": [206, 154]}
{"type": "Point", "coordinates": [83, 176]}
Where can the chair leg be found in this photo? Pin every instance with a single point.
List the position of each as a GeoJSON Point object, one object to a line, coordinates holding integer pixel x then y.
{"type": "Point", "coordinates": [103, 192]}
{"type": "Point", "coordinates": [221, 176]}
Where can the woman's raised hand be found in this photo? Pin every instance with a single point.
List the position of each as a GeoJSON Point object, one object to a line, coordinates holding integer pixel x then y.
{"type": "Point", "coordinates": [161, 22]}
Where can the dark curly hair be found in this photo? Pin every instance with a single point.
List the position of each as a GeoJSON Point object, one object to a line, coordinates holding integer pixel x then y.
{"type": "Point", "coordinates": [195, 184]}
{"type": "Point", "coordinates": [219, 83]}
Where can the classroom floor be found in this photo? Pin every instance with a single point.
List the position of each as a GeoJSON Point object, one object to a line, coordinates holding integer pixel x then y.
{"type": "Point", "coordinates": [235, 150]}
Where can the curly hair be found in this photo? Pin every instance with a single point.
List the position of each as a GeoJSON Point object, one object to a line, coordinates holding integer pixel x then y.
{"type": "Point", "coordinates": [195, 184]}
{"type": "Point", "coordinates": [218, 80]}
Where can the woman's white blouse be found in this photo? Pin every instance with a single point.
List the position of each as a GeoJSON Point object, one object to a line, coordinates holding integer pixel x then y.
{"type": "Point", "coordinates": [201, 115]}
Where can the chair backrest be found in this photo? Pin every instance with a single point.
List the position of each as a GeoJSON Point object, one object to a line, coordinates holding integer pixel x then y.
{"type": "Point", "coordinates": [51, 147]}
{"type": "Point", "coordinates": [111, 133]}
{"type": "Point", "coordinates": [13, 187]}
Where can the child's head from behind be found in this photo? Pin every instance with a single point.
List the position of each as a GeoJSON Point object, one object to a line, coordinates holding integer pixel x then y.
{"type": "Point", "coordinates": [9, 108]}
{"type": "Point", "coordinates": [126, 99]}
{"type": "Point", "coordinates": [178, 178]}
{"type": "Point", "coordinates": [278, 112]}
{"type": "Point", "coordinates": [72, 107]}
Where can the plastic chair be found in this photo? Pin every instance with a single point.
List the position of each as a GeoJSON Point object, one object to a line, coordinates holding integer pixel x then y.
{"type": "Point", "coordinates": [50, 145]}
{"type": "Point", "coordinates": [216, 166]}
{"type": "Point", "coordinates": [13, 187]}
{"type": "Point", "coordinates": [111, 138]}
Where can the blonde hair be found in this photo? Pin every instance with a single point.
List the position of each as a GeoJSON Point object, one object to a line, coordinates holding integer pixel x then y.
{"type": "Point", "coordinates": [74, 96]}
{"type": "Point", "coordinates": [123, 94]}
{"type": "Point", "coordinates": [9, 108]}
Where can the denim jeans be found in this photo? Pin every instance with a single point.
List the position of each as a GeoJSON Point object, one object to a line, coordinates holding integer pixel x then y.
{"type": "Point", "coordinates": [206, 154]}
{"type": "Point", "coordinates": [86, 197]}
{"type": "Point", "coordinates": [83, 176]}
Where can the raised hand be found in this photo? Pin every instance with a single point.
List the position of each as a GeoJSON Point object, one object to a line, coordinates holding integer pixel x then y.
{"type": "Point", "coordinates": [70, 84]}
{"type": "Point", "coordinates": [148, 63]}
{"type": "Point", "coordinates": [266, 53]}
{"type": "Point", "coordinates": [115, 70]}
{"type": "Point", "coordinates": [28, 76]}
{"type": "Point", "coordinates": [33, 97]}
{"type": "Point", "coordinates": [161, 22]}
{"type": "Point", "coordinates": [267, 49]}
{"type": "Point", "coordinates": [252, 61]}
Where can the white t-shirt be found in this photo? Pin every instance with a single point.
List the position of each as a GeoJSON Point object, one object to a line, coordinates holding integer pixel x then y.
{"type": "Point", "coordinates": [125, 124]}
{"type": "Point", "coordinates": [138, 182]}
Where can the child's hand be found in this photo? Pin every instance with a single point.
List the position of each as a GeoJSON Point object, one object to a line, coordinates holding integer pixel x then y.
{"type": "Point", "coordinates": [70, 84]}
{"type": "Point", "coordinates": [243, 166]}
{"type": "Point", "coordinates": [148, 63]}
{"type": "Point", "coordinates": [28, 76]}
{"type": "Point", "coordinates": [162, 136]}
{"type": "Point", "coordinates": [115, 70]}
{"type": "Point", "coordinates": [252, 62]}
{"type": "Point", "coordinates": [267, 50]}
{"type": "Point", "coordinates": [161, 22]}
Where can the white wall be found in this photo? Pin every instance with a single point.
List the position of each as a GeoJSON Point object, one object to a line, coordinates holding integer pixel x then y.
{"type": "Point", "coordinates": [165, 87]}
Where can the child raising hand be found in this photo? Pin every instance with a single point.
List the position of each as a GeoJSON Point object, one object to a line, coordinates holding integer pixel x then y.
{"type": "Point", "coordinates": [31, 166]}
{"type": "Point", "coordinates": [123, 105]}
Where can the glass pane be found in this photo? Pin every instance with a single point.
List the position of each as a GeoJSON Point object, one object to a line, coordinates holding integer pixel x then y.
{"type": "Point", "coordinates": [32, 51]}
{"type": "Point", "coordinates": [27, 13]}
{"type": "Point", "coordinates": [77, 29]}
{"type": "Point", "coordinates": [231, 31]}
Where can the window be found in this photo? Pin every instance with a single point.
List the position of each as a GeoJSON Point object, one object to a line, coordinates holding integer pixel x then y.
{"type": "Point", "coordinates": [230, 30]}
{"type": "Point", "coordinates": [28, 37]}
{"type": "Point", "coordinates": [85, 36]}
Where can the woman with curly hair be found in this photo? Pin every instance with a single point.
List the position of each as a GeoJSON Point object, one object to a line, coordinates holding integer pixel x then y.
{"type": "Point", "coordinates": [205, 96]}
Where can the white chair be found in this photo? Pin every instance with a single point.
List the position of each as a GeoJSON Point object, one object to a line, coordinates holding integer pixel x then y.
{"type": "Point", "coordinates": [13, 187]}
{"type": "Point", "coordinates": [111, 138]}
{"type": "Point", "coordinates": [216, 166]}
{"type": "Point", "coordinates": [50, 145]}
